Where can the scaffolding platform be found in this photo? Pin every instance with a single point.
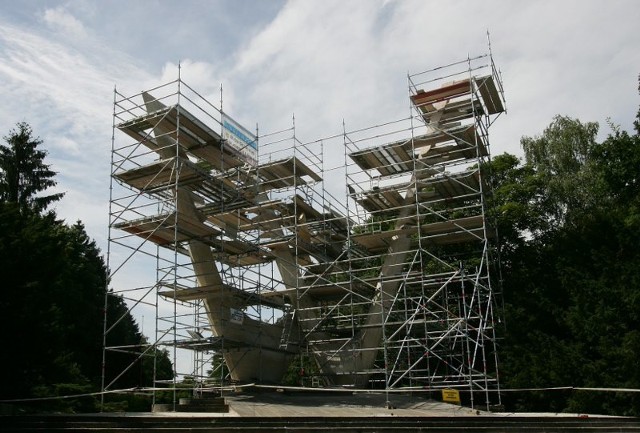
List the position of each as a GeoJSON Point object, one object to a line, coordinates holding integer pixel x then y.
{"type": "Point", "coordinates": [447, 232]}
{"type": "Point", "coordinates": [243, 297]}
{"type": "Point", "coordinates": [461, 142]}
{"type": "Point", "coordinates": [459, 97]}
{"type": "Point", "coordinates": [491, 95]}
{"type": "Point", "coordinates": [178, 172]}
{"type": "Point", "coordinates": [194, 137]}
{"type": "Point", "coordinates": [284, 173]}
{"type": "Point", "coordinates": [392, 199]}
{"type": "Point", "coordinates": [166, 229]}
{"type": "Point", "coordinates": [446, 92]}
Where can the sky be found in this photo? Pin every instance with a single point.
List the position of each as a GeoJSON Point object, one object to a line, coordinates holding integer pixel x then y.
{"type": "Point", "coordinates": [323, 61]}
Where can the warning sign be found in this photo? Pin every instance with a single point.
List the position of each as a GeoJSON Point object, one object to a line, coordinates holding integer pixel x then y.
{"type": "Point", "coordinates": [236, 316]}
{"type": "Point", "coordinates": [451, 396]}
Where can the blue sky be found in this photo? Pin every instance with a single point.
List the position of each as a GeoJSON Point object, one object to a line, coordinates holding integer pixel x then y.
{"type": "Point", "coordinates": [325, 61]}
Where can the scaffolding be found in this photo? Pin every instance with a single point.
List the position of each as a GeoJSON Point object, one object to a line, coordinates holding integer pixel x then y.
{"type": "Point", "coordinates": [421, 256]}
{"type": "Point", "coordinates": [249, 252]}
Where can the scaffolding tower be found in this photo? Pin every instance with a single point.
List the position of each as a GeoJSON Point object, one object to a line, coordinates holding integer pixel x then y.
{"type": "Point", "coordinates": [248, 253]}
{"type": "Point", "coordinates": [420, 254]}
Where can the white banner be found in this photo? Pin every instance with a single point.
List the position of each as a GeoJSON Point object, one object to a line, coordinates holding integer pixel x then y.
{"type": "Point", "coordinates": [240, 139]}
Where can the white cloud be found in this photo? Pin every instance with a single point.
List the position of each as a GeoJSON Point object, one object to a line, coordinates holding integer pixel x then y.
{"type": "Point", "coordinates": [66, 96]}
{"type": "Point", "coordinates": [333, 60]}
{"type": "Point", "coordinates": [61, 20]}
{"type": "Point", "coordinates": [322, 65]}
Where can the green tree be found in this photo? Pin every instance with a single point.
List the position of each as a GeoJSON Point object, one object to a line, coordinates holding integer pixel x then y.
{"type": "Point", "coordinates": [560, 156]}
{"type": "Point", "coordinates": [516, 191]}
{"type": "Point", "coordinates": [51, 304]}
{"type": "Point", "coordinates": [23, 173]}
{"type": "Point", "coordinates": [569, 221]}
{"type": "Point", "coordinates": [53, 293]}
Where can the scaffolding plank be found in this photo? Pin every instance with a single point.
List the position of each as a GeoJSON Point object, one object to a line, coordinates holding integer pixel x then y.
{"type": "Point", "coordinates": [233, 220]}
{"type": "Point", "coordinates": [248, 218]}
{"type": "Point", "coordinates": [437, 147]}
{"type": "Point", "coordinates": [194, 136]}
{"type": "Point", "coordinates": [390, 200]}
{"type": "Point", "coordinates": [338, 223]}
{"type": "Point", "coordinates": [472, 138]}
{"type": "Point", "coordinates": [450, 111]}
{"type": "Point", "coordinates": [447, 91]}
{"type": "Point", "coordinates": [232, 246]}
{"type": "Point", "coordinates": [451, 186]}
{"type": "Point", "coordinates": [330, 291]}
{"type": "Point", "coordinates": [283, 173]}
{"type": "Point", "coordinates": [389, 159]}
{"type": "Point", "coordinates": [379, 241]}
{"type": "Point", "coordinates": [139, 124]}
{"type": "Point", "coordinates": [458, 136]}
{"type": "Point", "coordinates": [162, 229]}
{"type": "Point", "coordinates": [383, 199]}
{"type": "Point", "coordinates": [142, 137]}
{"type": "Point", "coordinates": [225, 343]}
{"type": "Point", "coordinates": [322, 233]}
{"type": "Point", "coordinates": [246, 298]}
{"type": "Point", "coordinates": [490, 95]}
{"type": "Point", "coordinates": [461, 230]}
{"type": "Point", "coordinates": [299, 206]}
{"type": "Point", "coordinates": [454, 225]}
{"type": "Point", "coordinates": [321, 251]}
{"type": "Point", "coordinates": [455, 238]}
{"type": "Point", "coordinates": [161, 174]}
{"type": "Point", "coordinates": [249, 259]}
{"type": "Point", "coordinates": [458, 144]}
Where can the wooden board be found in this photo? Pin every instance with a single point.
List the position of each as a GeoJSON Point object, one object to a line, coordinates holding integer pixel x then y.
{"type": "Point", "coordinates": [283, 173]}
{"type": "Point", "coordinates": [447, 91]}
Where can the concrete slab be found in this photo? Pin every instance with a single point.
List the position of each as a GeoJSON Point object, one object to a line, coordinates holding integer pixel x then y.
{"type": "Point", "coordinates": [281, 403]}
{"type": "Point", "coordinates": [326, 404]}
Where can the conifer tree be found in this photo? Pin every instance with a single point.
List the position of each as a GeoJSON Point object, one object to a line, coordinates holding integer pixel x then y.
{"type": "Point", "coordinates": [23, 173]}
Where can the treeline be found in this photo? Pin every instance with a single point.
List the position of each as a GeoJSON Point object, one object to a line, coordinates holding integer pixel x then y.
{"type": "Point", "coordinates": [53, 280]}
{"type": "Point", "coordinates": [568, 216]}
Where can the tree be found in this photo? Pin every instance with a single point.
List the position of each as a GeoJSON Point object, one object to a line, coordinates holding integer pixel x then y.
{"type": "Point", "coordinates": [560, 156]}
{"type": "Point", "coordinates": [23, 173]}
{"type": "Point", "coordinates": [52, 294]}
{"type": "Point", "coordinates": [51, 304]}
{"type": "Point", "coordinates": [636, 123]}
{"type": "Point", "coordinates": [516, 192]}
{"type": "Point", "coordinates": [569, 219]}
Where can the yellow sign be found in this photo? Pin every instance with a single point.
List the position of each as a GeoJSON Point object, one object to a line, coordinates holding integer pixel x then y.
{"type": "Point", "coordinates": [451, 396]}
